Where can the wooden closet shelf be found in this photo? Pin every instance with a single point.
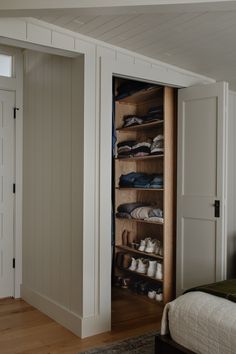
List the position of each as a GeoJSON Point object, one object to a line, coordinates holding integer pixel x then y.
{"type": "Point", "coordinates": [149, 157]}
{"type": "Point", "coordinates": [139, 275]}
{"type": "Point", "coordinates": [142, 96]}
{"type": "Point", "coordinates": [140, 189]}
{"type": "Point", "coordinates": [151, 125]}
{"type": "Point", "coordinates": [141, 221]}
{"type": "Point", "coordinates": [132, 250]}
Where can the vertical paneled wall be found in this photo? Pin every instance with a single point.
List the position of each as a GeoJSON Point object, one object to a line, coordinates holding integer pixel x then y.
{"type": "Point", "coordinates": [53, 178]}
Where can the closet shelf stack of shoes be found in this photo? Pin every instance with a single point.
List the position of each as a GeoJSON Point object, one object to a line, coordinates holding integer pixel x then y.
{"type": "Point", "coordinates": [144, 186]}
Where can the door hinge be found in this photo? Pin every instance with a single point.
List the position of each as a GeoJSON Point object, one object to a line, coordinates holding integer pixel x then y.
{"type": "Point", "coordinates": [14, 188]}
{"type": "Point", "coordinates": [14, 263]}
{"type": "Point", "coordinates": [14, 111]}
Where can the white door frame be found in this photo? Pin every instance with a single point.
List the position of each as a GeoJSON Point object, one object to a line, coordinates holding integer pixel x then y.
{"type": "Point", "coordinates": [15, 84]}
{"type": "Point", "coordinates": [110, 67]}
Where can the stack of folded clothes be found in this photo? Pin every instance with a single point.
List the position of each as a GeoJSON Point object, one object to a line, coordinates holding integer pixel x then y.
{"type": "Point", "coordinates": [140, 211]}
{"type": "Point", "coordinates": [141, 180]}
{"type": "Point", "coordinates": [133, 148]}
{"type": "Point", "coordinates": [153, 114]}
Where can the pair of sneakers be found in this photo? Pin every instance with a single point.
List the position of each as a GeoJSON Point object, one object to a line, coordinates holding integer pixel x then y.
{"type": "Point", "coordinates": [156, 295]}
{"type": "Point", "coordinates": [150, 268]}
{"type": "Point", "coordinates": [149, 245]}
{"type": "Point", "coordinates": [139, 265]}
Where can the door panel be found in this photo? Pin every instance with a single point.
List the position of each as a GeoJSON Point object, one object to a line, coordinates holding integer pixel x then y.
{"type": "Point", "coordinates": [201, 181]}
{"type": "Point", "coordinates": [199, 250]}
{"type": "Point", "coordinates": [7, 100]}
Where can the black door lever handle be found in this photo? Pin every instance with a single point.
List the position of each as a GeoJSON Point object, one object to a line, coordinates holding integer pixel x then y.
{"type": "Point", "coordinates": [217, 208]}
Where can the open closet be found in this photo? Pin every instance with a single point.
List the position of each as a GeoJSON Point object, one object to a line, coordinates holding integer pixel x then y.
{"type": "Point", "coordinates": [144, 193]}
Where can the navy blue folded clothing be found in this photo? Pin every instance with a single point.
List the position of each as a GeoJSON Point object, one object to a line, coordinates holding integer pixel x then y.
{"type": "Point", "coordinates": [141, 180]}
{"type": "Point", "coordinates": [130, 87]}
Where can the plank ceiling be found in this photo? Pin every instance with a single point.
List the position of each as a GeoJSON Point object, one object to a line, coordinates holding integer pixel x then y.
{"type": "Point", "coordinates": [201, 41]}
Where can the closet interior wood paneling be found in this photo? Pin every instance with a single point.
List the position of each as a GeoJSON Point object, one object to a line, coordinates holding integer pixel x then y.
{"type": "Point", "coordinates": [138, 103]}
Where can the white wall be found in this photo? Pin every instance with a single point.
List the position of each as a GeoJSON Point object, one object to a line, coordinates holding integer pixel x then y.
{"type": "Point", "coordinates": [53, 180]}
{"type": "Point", "coordinates": [231, 197]}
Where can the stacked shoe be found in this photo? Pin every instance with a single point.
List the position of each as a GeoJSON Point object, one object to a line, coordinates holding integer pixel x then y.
{"type": "Point", "coordinates": [149, 245]}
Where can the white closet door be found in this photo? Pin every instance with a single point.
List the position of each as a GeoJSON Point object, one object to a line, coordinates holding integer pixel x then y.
{"type": "Point", "coordinates": [7, 100]}
{"type": "Point", "coordinates": [201, 182]}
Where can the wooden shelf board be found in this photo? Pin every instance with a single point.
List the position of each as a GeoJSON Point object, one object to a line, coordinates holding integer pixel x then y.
{"type": "Point", "coordinates": [140, 189]}
{"type": "Point", "coordinates": [141, 221]}
{"type": "Point", "coordinates": [148, 157]}
{"type": "Point", "coordinates": [140, 275]}
{"type": "Point", "coordinates": [142, 96]}
{"type": "Point", "coordinates": [131, 250]}
{"type": "Point", "coordinates": [155, 124]}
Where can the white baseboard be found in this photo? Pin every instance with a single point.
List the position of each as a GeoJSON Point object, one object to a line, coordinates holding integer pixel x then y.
{"type": "Point", "coordinates": [60, 314]}
{"type": "Point", "coordinates": [82, 327]}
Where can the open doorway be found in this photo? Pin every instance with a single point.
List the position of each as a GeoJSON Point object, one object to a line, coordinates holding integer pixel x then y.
{"type": "Point", "coordinates": [143, 199]}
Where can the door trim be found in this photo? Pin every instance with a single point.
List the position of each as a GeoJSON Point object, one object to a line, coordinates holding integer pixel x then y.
{"type": "Point", "coordinates": [15, 84]}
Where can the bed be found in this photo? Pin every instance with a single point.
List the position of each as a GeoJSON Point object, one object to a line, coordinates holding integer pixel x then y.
{"type": "Point", "coordinates": [201, 321]}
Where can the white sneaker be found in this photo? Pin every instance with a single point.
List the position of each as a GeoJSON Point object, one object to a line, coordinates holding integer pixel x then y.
{"type": "Point", "coordinates": [142, 245]}
{"type": "Point", "coordinates": [133, 265]}
{"type": "Point", "coordinates": [150, 247]}
{"type": "Point", "coordinates": [159, 296]}
{"type": "Point", "coordinates": [142, 266]}
{"type": "Point", "coordinates": [152, 294]}
{"type": "Point", "coordinates": [152, 268]}
{"type": "Point", "coordinates": [158, 246]}
{"type": "Point", "coordinates": [159, 271]}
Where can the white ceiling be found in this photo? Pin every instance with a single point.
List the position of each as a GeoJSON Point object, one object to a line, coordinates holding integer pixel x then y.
{"type": "Point", "coordinates": [199, 37]}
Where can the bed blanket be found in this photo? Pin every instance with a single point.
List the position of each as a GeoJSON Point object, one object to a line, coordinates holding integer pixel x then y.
{"type": "Point", "coordinates": [203, 323]}
{"type": "Point", "coordinates": [225, 289]}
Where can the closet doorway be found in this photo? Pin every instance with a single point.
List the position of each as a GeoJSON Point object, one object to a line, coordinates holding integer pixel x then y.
{"type": "Point", "coordinates": [143, 198]}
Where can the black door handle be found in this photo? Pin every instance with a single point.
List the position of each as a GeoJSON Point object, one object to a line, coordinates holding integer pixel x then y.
{"type": "Point", "coordinates": [217, 208]}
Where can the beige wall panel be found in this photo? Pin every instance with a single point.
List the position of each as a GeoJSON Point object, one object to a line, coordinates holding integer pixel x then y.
{"type": "Point", "coordinates": [53, 160]}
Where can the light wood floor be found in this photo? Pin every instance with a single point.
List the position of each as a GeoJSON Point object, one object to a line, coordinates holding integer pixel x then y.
{"type": "Point", "coordinates": [25, 330]}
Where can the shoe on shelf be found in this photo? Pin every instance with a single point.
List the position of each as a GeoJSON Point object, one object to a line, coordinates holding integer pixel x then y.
{"type": "Point", "coordinates": [143, 288]}
{"type": "Point", "coordinates": [142, 266]}
{"type": "Point", "coordinates": [119, 259]}
{"type": "Point", "coordinates": [159, 295]}
{"type": "Point", "coordinates": [152, 267]}
{"type": "Point", "coordinates": [158, 245]}
{"type": "Point", "coordinates": [133, 265]}
{"type": "Point", "coordinates": [126, 260]}
{"type": "Point", "coordinates": [159, 271]}
{"type": "Point", "coordinates": [142, 245]}
{"type": "Point", "coordinates": [125, 283]}
{"type": "Point", "coordinates": [150, 246]}
{"type": "Point", "coordinates": [159, 248]}
{"type": "Point", "coordinates": [152, 294]}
